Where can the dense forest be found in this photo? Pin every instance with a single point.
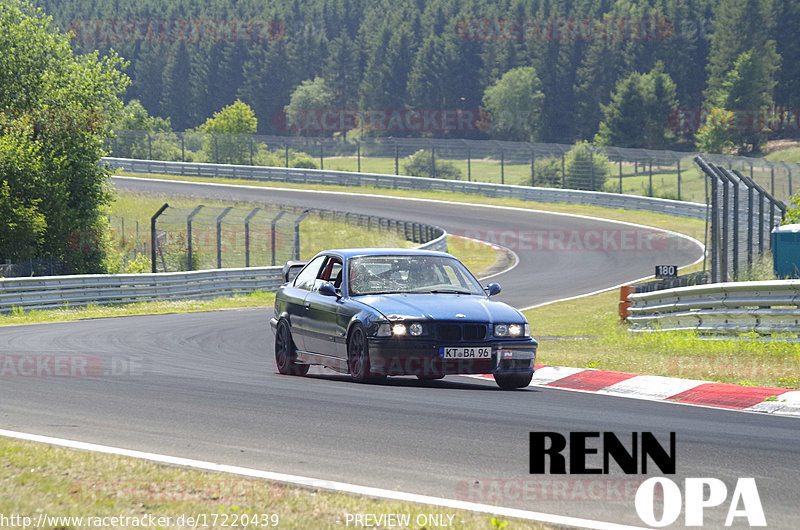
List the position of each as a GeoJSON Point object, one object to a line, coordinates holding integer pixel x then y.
{"type": "Point", "coordinates": [613, 71]}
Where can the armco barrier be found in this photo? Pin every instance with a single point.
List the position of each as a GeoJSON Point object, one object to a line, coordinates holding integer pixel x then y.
{"type": "Point", "coordinates": [56, 291]}
{"type": "Point", "coordinates": [43, 292]}
{"type": "Point", "coordinates": [346, 178]}
{"type": "Point", "coordinates": [766, 307]}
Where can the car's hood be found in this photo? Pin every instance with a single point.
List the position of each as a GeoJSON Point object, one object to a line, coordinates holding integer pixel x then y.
{"type": "Point", "coordinates": [441, 307]}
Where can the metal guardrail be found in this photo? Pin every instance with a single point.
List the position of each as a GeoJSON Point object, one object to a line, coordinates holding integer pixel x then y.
{"type": "Point", "coordinates": [43, 292]}
{"type": "Point", "coordinates": [765, 307]}
{"type": "Point", "coordinates": [345, 178]}
{"type": "Point", "coordinates": [57, 291]}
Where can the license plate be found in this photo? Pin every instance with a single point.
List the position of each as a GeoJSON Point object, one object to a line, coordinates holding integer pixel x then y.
{"type": "Point", "coordinates": [462, 352]}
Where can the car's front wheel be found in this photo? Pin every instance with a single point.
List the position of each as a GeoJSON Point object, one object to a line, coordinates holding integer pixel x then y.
{"type": "Point", "coordinates": [358, 355]}
{"type": "Point", "coordinates": [286, 352]}
{"type": "Point", "coordinates": [512, 381]}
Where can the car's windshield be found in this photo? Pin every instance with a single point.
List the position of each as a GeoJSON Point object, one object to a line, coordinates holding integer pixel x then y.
{"type": "Point", "coordinates": [410, 274]}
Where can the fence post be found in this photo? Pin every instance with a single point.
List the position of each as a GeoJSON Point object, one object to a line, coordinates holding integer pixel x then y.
{"type": "Point", "coordinates": [502, 166]}
{"type": "Point", "coordinates": [396, 159]}
{"type": "Point", "coordinates": [533, 167]}
{"type": "Point", "coordinates": [650, 176]}
{"type": "Point", "coordinates": [591, 169]}
{"type": "Point", "coordinates": [190, 262]}
{"type": "Point", "coordinates": [153, 239]}
{"type": "Point", "coordinates": [679, 179]}
{"type": "Point", "coordinates": [296, 243]}
{"type": "Point", "coordinates": [433, 160]}
{"type": "Point", "coordinates": [272, 233]}
{"type": "Point", "coordinates": [469, 164]}
{"type": "Point", "coordinates": [563, 171]}
{"type": "Point", "coordinates": [219, 235]}
{"type": "Point", "coordinates": [247, 236]}
{"type": "Point", "coordinates": [321, 155]}
{"type": "Point", "coordinates": [251, 150]}
{"type": "Point", "coordinates": [286, 154]}
{"type": "Point", "coordinates": [620, 174]}
{"type": "Point", "coordinates": [358, 154]}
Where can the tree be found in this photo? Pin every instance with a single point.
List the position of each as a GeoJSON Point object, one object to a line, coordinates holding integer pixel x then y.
{"type": "Point", "coordinates": [230, 128]}
{"type": "Point", "coordinates": [55, 110]}
{"type": "Point", "coordinates": [135, 128]}
{"type": "Point", "coordinates": [584, 169]}
{"type": "Point", "coordinates": [305, 105]}
{"type": "Point", "coordinates": [716, 134]}
{"type": "Point", "coordinates": [637, 115]}
{"type": "Point", "coordinates": [747, 92]}
{"type": "Point", "coordinates": [514, 104]}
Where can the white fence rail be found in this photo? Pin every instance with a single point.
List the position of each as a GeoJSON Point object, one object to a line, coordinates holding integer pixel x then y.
{"type": "Point", "coordinates": [347, 178]}
{"type": "Point", "coordinates": [767, 307]}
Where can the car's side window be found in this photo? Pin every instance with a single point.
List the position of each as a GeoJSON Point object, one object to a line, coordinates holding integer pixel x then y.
{"type": "Point", "coordinates": [331, 273]}
{"type": "Point", "coordinates": [305, 280]}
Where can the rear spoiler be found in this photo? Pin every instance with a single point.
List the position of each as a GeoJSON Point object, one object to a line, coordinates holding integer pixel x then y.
{"type": "Point", "coordinates": [291, 269]}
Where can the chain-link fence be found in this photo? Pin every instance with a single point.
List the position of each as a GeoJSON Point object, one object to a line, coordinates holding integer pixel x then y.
{"type": "Point", "coordinates": [667, 174]}
{"type": "Point", "coordinates": [740, 222]}
{"type": "Point", "coordinates": [214, 237]}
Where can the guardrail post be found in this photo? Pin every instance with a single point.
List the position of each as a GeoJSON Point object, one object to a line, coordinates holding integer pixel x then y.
{"type": "Point", "coordinates": [219, 235]}
{"type": "Point", "coordinates": [247, 236]}
{"type": "Point", "coordinates": [153, 238]}
{"type": "Point", "coordinates": [272, 232]}
{"type": "Point", "coordinates": [190, 262]}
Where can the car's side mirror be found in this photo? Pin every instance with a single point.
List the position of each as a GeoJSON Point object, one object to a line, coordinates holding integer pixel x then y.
{"type": "Point", "coordinates": [327, 289]}
{"type": "Point", "coordinates": [292, 269]}
{"type": "Point", "coordinates": [492, 289]}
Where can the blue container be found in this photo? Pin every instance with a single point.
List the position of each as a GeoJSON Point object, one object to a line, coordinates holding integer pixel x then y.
{"type": "Point", "coordinates": [786, 251]}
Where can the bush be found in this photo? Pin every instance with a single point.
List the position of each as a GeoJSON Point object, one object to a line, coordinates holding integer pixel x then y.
{"type": "Point", "coordinates": [547, 172]}
{"type": "Point", "coordinates": [585, 169]}
{"type": "Point", "coordinates": [422, 164]}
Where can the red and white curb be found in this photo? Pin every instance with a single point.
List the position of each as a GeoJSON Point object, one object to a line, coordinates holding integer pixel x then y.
{"type": "Point", "coordinates": [781, 401]}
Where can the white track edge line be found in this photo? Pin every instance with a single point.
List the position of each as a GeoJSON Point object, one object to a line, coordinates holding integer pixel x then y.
{"type": "Point", "coordinates": [307, 482]}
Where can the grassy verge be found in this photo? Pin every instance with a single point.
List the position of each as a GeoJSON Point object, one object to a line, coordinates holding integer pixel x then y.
{"type": "Point", "coordinates": [691, 227]}
{"type": "Point", "coordinates": [587, 333]}
{"type": "Point", "coordinates": [130, 221]}
{"type": "Point", "coordinates": [41, 479]}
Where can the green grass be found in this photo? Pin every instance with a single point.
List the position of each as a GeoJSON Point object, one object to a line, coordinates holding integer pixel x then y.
{"type": "Point", "coordinates": [691, 227]}
{"type": "Point", "coordinates": [315, 233]}
{"type": "Point", "coordinates": [590, 335]}
{"type": "Point", "coordinates": [38, 478]}
{"type": "Point", "coordinates": [788, 154]}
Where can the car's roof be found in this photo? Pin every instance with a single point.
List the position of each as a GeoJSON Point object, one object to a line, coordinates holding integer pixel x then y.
{"type": "Point", "coordinates": [356, 252]}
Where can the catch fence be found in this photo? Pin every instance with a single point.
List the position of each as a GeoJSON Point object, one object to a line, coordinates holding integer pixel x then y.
{"type": "Point", "coordinates": [653, 173]}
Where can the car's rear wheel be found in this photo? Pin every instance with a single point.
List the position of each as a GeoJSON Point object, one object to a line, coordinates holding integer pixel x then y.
{"type": "Point", "coordinates": [286, 352]}
{"type": "Point", "coordinates": [512, 381]}
{"type": "Point", "coordinates": [358, 355]}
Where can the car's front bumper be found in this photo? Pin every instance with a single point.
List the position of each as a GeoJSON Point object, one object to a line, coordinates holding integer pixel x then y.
{"type": "Point", "coordinates": [391, 356]}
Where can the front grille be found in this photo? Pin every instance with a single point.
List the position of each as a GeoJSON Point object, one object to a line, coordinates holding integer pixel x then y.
{"type": "Point", "coordinates": [460, 332]}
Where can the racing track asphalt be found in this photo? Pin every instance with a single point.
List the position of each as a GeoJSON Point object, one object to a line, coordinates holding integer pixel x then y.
{"type": "Point", "coordinates": [205, 387]}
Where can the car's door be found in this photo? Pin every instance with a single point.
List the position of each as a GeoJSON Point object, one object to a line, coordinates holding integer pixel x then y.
{"type": "Point", "coordinates": [326, 316]}
{"type": "Point", "coordinates": [294, 296]}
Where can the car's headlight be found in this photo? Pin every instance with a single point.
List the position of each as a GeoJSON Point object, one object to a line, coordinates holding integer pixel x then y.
{"type": "Point", "coordinates": [398, 329]}
{"type": "Point", "coordinates": [511, 330]}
